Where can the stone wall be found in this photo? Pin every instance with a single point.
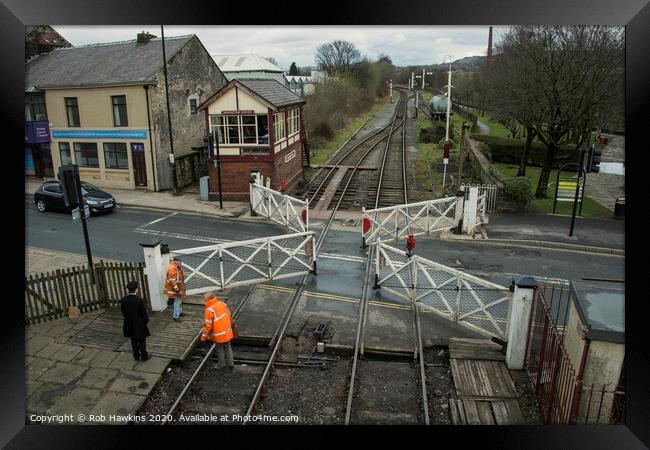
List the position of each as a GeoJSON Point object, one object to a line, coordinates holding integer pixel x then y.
{"type": "Point", "coordinates": [480, 164]}
{"type": "Point", "coordinates": [190, 69]}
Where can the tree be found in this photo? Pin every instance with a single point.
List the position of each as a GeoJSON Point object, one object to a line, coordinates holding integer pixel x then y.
{"type": "Point", "coordinates": [293, 70]}
{"type": "Point", "coordinates": [558, 82]}
{"type": "Point", "coordinates": [272, 60]}
{"type": "Point", "coordinates": [337, 57]}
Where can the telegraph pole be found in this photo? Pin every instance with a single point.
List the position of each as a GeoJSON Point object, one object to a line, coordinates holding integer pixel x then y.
{"type": "Point", "coordinates": [423, 73]}
{"type": "Point", "coordinates": [447, 144]}
{"type": "Point", "coordinates": [391, 91]}
{"type": "Point", "coordinates": [169, 117]}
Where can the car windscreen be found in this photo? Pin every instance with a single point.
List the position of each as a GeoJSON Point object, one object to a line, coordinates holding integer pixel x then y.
{"type": "Point", "coordinates": [87, 188]}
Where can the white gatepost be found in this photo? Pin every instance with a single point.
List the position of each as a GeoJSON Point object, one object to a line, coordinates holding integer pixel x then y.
{"type": "Point", "coordinates": [469, 211]}
{"type": "Point", "coordinates": [519, 322]}
{"type": "Point", "coordinates": [458, 212]}
{"type": "Point", "coordinates": [155, 270]}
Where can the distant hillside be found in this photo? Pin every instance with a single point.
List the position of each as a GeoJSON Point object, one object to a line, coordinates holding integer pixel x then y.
{"type": "Point", "coordinates": [467, 63]}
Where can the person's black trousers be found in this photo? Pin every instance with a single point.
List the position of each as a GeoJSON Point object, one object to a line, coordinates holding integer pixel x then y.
{"type": "Point", "coordinates": [139, 347]}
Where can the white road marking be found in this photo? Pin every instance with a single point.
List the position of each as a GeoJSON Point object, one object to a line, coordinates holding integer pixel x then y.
{"type": "Point", "coordinates": [156, 221]}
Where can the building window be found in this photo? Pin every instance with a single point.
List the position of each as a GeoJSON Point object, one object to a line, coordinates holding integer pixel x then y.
{"type": "Point", "coordinates": [120, 118]}
{"type": "Point", "coordinates": [248, 130]}
{"type": "Point", "coordinates": [294, 121]}
{"type": "Point", "coordinates": [115, 156]}
{"type": "Point", "coordinates": [35, 107]}
{"type": "Point", "coordinates": [263, 129]}
{"type": "Point", "coordinates": [240, 129]}
{"type": "Point", "coordinates": [193, 106]}
{"type": "Point", "coordinates": [278, 126]}
{"type": "Point", "coordinates": [232, 129]}
{"type": "Point", "coordinates": [85, 153]}
{"type": "Point", "coordinates": [64, 151]}
{"type": "Point", "coordinates": [72, 111]}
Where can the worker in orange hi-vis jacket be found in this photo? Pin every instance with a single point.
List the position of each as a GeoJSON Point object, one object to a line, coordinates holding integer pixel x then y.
{"type": "Point", "coordinates": [218, 328]}
{"type": "Point", "coordinates": [175, 287]}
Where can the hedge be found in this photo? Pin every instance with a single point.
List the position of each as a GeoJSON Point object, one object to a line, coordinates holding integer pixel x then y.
{"type": "Point", "coordinates": [518, 189]}
{"type": "Point", "coordinates": [510, 150]}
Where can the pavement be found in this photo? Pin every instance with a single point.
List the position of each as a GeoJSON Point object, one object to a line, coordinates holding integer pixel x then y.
{"type": "Point", "coordinates": [38, 260]}
{"type": "Point", "coordinates": [189, 202]}
{"type": "Point", "coordinates": [79, 381]}
{"type": "Point", "coordinates": [548, 230]}
{"type": "Point", "coordinates": [604, 187]}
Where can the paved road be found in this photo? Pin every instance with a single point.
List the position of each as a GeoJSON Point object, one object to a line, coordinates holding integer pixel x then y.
{"type": "Point", "coordinates": [118, 236]}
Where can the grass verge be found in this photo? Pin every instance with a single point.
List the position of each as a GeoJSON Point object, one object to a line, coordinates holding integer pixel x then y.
{"type": "Point", "coordinates": [590, 208]}
{"type": "Point", "coordinates": [323, 152]}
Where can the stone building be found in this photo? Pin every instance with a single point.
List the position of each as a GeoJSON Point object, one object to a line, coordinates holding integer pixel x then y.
{"type": "Point", "coordinates": [595, 343]}
{"type": "Point", "coordinates": [107, 109]}
{"type": "Point", "coordinates": [42, 39]}
{"type": "Point", "coordinates": [258, 127]}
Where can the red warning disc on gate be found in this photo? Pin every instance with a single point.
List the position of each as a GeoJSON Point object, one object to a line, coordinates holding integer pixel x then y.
{"type": "Point", "coordinates": [366, 225]}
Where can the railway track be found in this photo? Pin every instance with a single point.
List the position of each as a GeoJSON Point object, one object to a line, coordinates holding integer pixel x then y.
{"type": "Point", "coordinates": [382, 392]}
{"type": "Point", "coordinates": [240, 392]}
{"type": "Point", "coordinates": [376, 166]}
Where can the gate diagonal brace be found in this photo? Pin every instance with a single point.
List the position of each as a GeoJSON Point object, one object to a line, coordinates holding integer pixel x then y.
{"type": "Point", "coordinates": [424, 285]}
{"type": "Point", "coordinates": [292, 247]}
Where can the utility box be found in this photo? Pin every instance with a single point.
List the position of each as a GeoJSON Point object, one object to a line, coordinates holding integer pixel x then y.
{"type": "Point", "coordinates": [204, 187]}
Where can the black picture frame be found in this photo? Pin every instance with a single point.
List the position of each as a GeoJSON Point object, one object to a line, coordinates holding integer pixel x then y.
{"type": "Point", "coordinates": [634, 14]}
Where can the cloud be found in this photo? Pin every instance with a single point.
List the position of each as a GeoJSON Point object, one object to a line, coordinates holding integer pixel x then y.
{"type": "Point", "coordinates": [406, 45]}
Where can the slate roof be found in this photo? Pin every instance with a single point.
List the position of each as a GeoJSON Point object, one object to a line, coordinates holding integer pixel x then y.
{"type": "Point", "coordinates": [113, 63]}
{"type": "Point", "coordinates": [269, 90]}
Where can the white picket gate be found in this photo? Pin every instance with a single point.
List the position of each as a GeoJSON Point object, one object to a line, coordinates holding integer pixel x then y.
{"type": "Point", "coordinates": [280, 208]}
{"type": "Point", "coordinates": [397, 222]}
{"type": "Point", "coordinates": [232, 264]}
{"type": "Point", "coordinates": [460, 297]}
{"type": "Point", "coordinates": [491, 194]}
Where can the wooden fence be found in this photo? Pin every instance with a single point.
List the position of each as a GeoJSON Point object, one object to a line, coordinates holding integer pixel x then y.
{"type": "Point", "coordinates": [48, 295]}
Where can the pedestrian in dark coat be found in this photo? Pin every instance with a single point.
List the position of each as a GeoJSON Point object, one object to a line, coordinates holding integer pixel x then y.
{"type": "Point", "coordinates": [135, 321]}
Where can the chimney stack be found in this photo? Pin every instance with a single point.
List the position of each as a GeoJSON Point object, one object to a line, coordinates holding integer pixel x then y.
{"type": "Point", "coordinates": [145, 37]}
{"type": "Point", "coordinates": [489, 50]}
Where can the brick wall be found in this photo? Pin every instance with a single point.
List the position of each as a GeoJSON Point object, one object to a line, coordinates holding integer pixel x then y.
{"type": "Point", "coordinates": [236, 174]}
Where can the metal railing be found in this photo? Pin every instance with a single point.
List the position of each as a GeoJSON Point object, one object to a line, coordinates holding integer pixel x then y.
{"type": "Point", "coordinates": [397, 222]}
{"type": "Point", "coordinates": [455, 295]}
{"type": "Point", "coordinates": [489, 189]}
{"type": "Point", "coordinates": [239, 263]}
{"type": "Point", "coordinates": [280, 208]}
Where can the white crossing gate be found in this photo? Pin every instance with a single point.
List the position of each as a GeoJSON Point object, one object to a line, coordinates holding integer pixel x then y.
{"type": "Point", "coordinates": [397, 222]}
{"type": "Point", "coordinates": [232, 264]}
{"type": "Point", "coordinates": [280, 208]}
{"type": "Point", "coordinates": [460, 297]}
{"type": "Point", "coordinates": [489, 189]}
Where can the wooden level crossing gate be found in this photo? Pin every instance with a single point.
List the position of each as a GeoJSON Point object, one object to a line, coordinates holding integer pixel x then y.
{"type": "Point", "coordinates": [397, 222]}
{"type": "Point", "coordinates": [240, 263]}
{"type": "Point", "coordinates": [458, 296]}
{"type": "Point", "coordinates": [279, 208]}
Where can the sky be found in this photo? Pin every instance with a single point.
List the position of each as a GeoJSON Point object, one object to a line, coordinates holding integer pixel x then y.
{"type": "Point", "coordinates": [406, 45]}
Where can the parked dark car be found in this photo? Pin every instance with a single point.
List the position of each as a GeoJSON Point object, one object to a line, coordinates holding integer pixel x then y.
{"type": "Point", "coordinates": [49, 197]}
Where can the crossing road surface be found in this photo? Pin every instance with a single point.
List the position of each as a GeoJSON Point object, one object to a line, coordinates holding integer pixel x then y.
{"type": "Point", "coordinates": [118, 235]}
